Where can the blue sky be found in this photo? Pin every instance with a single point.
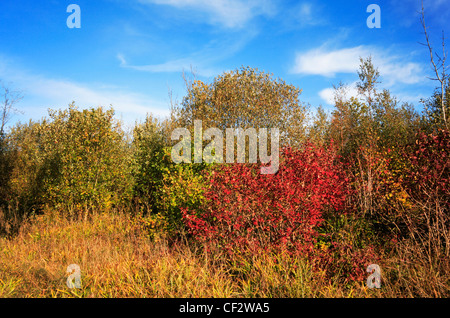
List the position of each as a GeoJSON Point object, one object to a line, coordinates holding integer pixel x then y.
{"type": "Point", "coordinates": [129, 53]}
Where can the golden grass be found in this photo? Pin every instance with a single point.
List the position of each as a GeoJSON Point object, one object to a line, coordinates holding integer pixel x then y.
{"type": "Point", "coordinates": [117, 259]}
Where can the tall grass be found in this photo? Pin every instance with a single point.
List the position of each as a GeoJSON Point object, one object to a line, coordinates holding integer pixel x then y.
{"type": "Point", "coordinates": [117, 259]}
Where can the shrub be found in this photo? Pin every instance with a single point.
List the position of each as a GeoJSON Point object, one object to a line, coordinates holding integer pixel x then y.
{"type": "Point", "coordinates": [428, 175]}
{"type": "Point", "coordinates": [150, 162]}
{"type": "Point", "coordinates": [92, 163]}
{"type": "Point", "coordinates": [163, 187]}
{"type": "Point", "coordinates": [183, 186]}
{"type": "Point", "coordinates": [247, 211]}
{"type": "Point", "coordinates": [25, 188]}
{"type": "Point", "coordinates": [427, 183]}
{"type": "Point", "coordinates": [77, 160]}
{"type": "Point", "coordinates": [345, 248]}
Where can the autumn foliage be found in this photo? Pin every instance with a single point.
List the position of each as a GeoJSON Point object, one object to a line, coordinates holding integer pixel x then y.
{"type": "Point", "coordinates": [245, 210]}
{"type": "Point", "coordinates": [428, 174]}
{"type": "Point", "coordinates": [368, 185]}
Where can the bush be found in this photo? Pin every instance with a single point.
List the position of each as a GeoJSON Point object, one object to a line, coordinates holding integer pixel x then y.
{"type": "Point", "coordinates": [247, 211]}
{"type": "Point", "coordinates": [26, 182]}
{"type": "Point", "coordinates": [77, 160]}
{"type": "Point", "coordinates": [183, 186]}
{"type": "Point", "coordinates": [427, 183]}
{"type": "Point", "coordinates": [148, 142]}
{"type": "Point", "coordinates": [428, 175]}
{"type": "Point", "coordinates": [92, 162]}
{"type": "Point", "coordinates": [163, 187]}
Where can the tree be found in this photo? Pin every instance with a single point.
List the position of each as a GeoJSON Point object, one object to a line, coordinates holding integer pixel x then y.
{"type": "Point", "coordinates": [438, 107]}
{"type": "Point", "coordinates": [148, 143]}
{"type": "Point", "coordinates": [366, 128]}
{"type": "Point", "coordinates": [368, 76]}
{"type": "Point", "coordinates": [245, 98]}
{"type": "Point", "coordinates": [318, 133]}
{"type": "Point", "coordinates": [88, 161]}
{"type": "Point", "coordinates": [9, 98]}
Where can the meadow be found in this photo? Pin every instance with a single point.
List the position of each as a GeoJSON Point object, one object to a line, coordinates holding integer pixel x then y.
{"type": "Point", "coordinates": [365, 184]}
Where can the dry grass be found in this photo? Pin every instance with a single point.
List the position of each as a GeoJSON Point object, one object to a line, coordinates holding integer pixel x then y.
{"type": "Point", "coordinates": [117, 259]}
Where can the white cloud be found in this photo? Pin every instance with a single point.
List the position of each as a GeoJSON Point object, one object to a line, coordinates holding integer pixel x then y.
{"type": "Point", "coordinates": [393, 68]}
{"type": "Point", "coordinates": [229, 13]}
{"type": "Point", "coordinates": [393, 71]}
{"type": "Point", "coordinates": [307, 14]}
{"type": "Point", "coordinates": [305, 9]}
{"type": "Point", "coordinates": [328, 63]}
{"type": "Point", "coordinates": [327, 94]}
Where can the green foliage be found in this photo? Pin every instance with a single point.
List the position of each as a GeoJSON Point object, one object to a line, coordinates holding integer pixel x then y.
{"type": "Point", "coordinates": [183, 186]}
{"type": "Point", "coordinates": [373, 119]}
{"type": "Point", "coordinates": [76, 160]}
{"type": "Point", "coordinates": [92, 161]}
{"type": "Point", "coordinates": [394, 123]}
{"type": "Point", "coordinates": [25, 185]}
{"type": "Point", "coordinates": [435, 108]}
{"type": "Point", "coordinates": [319, 131]}
{"type": "Point", "coordinates": [427, 179]}
{"type": "Point", "coordinates": [148, 143]}
{"type": "Point", "coordinates": [5, 170]}
{"type": "Point", "coordinates": [162, 187]}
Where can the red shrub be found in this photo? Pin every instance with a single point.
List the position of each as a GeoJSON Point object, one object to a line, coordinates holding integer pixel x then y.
{"type": "Point", "coordinates": [427, 184]}
{"type": "Point", "coordinates": [248, 211]}
{"type": "Point", "coordinates": [428, 177]}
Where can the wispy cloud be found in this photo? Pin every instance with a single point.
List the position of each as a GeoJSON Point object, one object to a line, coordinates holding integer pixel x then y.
{"type": "Point", "coordinates": [178, 65]}
{"type": "Point", "coordinates": [328, 95]}
{"type": "Point", "coordinates": [228, 13]}
{"type": "Point", "coordinates": [204, 60]}
{"type": "Point", "coordinates": [393, 68]}
{"type": "Point", "coordinates": [305, 13]}
{"type": "Point", "coordinates": [42, 92]}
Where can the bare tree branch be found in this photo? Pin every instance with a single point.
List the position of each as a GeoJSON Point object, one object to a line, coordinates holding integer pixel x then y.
{"type": "Point", "coordinates": [440, 76]}
{"type": "Point", "coordinates": [8, 98]}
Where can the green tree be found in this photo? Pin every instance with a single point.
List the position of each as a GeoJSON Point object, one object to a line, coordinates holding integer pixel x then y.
{"type": "Point", "coordinates": [149, 143]}
{"type": "Point", "coordinates": [437, 107]}
{"type": "Point", "coordinates": [92, 160]}
{"type": "Point", "coordinates": [8, 99]}
{"type": "Point", "coordinates": [25, 147]}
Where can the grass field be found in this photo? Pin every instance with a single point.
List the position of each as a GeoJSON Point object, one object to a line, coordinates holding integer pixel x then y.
{"type": "Point", "coordinates": [117, 259]}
